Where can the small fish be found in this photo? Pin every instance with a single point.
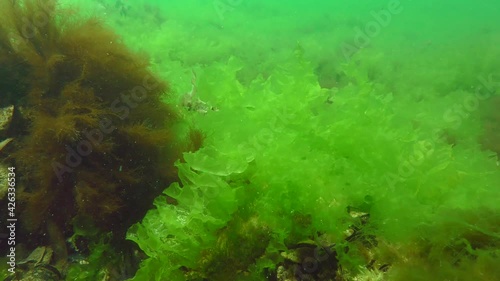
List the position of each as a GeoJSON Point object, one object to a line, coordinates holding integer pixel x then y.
{"type": "Point", "coordinates": [192, 103]}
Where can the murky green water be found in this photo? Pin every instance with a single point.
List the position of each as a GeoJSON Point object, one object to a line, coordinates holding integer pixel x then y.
{"type": "Point", "coordinates": [353, 140]}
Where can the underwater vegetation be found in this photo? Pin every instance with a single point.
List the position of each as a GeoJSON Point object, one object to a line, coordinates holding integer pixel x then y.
{"type": "Point", "coordinates": [92, 141]}
{"type": "Point", "coordinates": [309, 167]}
{"type": "Point", "coordinates": [340, 196]}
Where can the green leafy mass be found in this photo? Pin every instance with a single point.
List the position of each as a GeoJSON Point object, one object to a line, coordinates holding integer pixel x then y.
{"type": "Point", "coordinates": [287, 160]}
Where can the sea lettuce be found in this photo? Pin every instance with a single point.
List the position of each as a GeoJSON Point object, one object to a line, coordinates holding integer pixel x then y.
{"type": "Point", "coordinates": [175, 236]}
{"type": "Point", "coordinates": [285, 160]}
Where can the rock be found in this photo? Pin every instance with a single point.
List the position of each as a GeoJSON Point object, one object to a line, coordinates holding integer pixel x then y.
{"type": "Point", "coordinates": [41, 254]}
{"type": "Point", "coordinates": [5, 142]}
{"type": "Point", "coordinates": [6, 114]}
{"type": "Point", "coordinates": [36, 267]}
{"type": "Point", "coordinates": [4, 183]}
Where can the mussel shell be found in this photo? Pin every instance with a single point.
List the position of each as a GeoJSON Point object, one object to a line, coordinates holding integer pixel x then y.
{"type": "Point", "coordinates": [41, 272]}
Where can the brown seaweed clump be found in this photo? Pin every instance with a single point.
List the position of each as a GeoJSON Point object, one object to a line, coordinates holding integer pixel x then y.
{"type": "Point", "coordinates": [92, 140]}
